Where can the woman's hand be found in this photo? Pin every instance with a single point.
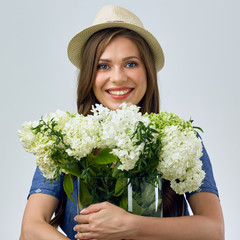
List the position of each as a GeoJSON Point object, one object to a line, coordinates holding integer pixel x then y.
{"type": "Point", "coordinates": [104, 221]}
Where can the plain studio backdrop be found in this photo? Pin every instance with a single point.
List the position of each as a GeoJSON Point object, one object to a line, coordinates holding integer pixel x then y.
{"type": "Point", "coordinates": [200, 39]}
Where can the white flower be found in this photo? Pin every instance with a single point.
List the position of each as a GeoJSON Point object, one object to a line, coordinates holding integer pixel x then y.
{"type": "Point", "coordinates": [60, 117]}
{"type": "Point", "coordinates": [40, 143]}
{"type": "Point", "coordinates": [180, 159]}
{"type": "Point", "coordinates": [190, 182]}
{"type": "Point", "coordinates": [117, 129]}
{"type": "Point", "coordinates": [82, 135]}
{"type": "Point", "coordinates": [27, 137]}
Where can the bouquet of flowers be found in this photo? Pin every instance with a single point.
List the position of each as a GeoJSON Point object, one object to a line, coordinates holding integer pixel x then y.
{"type": "Point", "coordinates": [108, 147]}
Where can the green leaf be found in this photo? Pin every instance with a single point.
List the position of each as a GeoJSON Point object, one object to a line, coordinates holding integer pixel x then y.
{"type": "Point", "coordinates": [136, 208]}
{"type": "Point", "coordinates": [124, 202]}
{"type": "Point", "coordinates": [148, 195]}
{"type": "Point", "coordinates": [120, 186]}
{"type": "Point", "coordinates": [152, 164]}
{"type": "Point", "coordinates": [68, 186]}
{"type": "Point", "coordinates": [198, 128]}
{"type": "Point", "coordinates": [116, 171]}
{"type": "Point", "coordinates": [105, 157]}
{"type": "Point", "coordinates": [85, 198]}
{"type": "Point", "coordinates": [73, 168]}
{"type": "Point", "coordinates": [149, 210]}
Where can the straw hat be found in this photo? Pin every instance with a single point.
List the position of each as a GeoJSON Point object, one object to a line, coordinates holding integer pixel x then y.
{"type": "Point", "coordinates": [114, 16]}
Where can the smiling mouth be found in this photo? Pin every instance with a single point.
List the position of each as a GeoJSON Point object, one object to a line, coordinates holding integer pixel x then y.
{"type": "Point", "coordinates": [121, 92]}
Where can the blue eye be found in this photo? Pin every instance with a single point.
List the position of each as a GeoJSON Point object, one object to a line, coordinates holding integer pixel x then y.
{"type": "Point", "coordinates": [131, 64]}
{"type": "Point", "coordinates": [102, 66]}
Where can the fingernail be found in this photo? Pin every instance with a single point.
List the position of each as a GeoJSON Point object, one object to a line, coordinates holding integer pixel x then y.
{"type": "Point", "coordinates": [82, 210]}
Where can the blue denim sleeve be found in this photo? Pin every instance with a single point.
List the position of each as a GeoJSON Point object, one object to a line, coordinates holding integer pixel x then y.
{"type": "Point", "coordinates": [209, 184]}
{"type": "Point", "coordinates": [40, 185]}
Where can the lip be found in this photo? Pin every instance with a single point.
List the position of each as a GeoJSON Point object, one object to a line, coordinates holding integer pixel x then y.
{"type": "Point", "coordinates": [119, 97]}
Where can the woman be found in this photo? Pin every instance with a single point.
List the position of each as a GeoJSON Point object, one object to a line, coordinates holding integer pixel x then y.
{"type": "Point", "coordinates": [119, 61]}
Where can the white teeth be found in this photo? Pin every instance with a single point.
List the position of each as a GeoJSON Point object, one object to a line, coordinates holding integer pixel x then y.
{"type": "Point", "coordinates": [122, 92]}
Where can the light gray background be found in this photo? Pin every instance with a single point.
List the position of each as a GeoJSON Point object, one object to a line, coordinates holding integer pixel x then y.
{"type": "Point", "coordinates": [200, 79]}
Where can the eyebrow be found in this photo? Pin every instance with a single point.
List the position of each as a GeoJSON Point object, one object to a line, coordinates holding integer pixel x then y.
{"type": "Point", "coordinates": [124, 59]}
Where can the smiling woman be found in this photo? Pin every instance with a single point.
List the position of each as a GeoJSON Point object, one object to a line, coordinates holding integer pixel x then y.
{"type": "Point", "coordinates": [118, 61]}
{"type": "Point", "coordinates": [131, 69]}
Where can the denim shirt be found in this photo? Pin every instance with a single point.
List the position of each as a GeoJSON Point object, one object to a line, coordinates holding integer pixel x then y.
{"type": "Point", "coordinates": [39, 185]}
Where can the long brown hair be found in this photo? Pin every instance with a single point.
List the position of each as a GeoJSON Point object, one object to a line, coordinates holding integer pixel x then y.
{"type": "Point", "coordinates": [95, 46]}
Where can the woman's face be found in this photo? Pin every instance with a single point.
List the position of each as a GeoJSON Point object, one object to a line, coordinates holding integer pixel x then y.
{"type": "Point", "coordinates": [121, 74]}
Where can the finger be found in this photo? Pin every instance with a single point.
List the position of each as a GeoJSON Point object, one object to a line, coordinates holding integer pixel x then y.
{"type": "Point", "coordinates": [86, 235]}
{"type": "Point", "coordinates": [81, 218]}
{"type": "Point", "coordinates": [81, 228]}
{"type": "Point", "coordinates": [95, 208]}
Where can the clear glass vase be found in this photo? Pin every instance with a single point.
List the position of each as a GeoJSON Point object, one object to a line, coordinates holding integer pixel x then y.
{"type": "Point", "coordinates": [137, 195]}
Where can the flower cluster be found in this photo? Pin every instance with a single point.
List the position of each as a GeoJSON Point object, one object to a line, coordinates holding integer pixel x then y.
{"type": "Point", "coordinates": [117, 133]}
{"type": "Point", "coordinates": [180, 153]}
{"type": "Point", "coordinates": [65, 142]}
{"type": "Point", "coordinates": [82, 134]}
{"type": "Point", "coordinates": [36, 138]}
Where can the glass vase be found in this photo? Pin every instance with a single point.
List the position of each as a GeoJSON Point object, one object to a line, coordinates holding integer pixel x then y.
{"type": "Point", "coordinates": [137, 195]}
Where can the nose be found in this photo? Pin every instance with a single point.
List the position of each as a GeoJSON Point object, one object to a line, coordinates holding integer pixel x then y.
{"type": "Point", "coordinates": [118, 75]}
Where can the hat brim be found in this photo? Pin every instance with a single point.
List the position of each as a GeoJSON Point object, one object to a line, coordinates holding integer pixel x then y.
{"type": "Point", "coordinates": [77, 43]}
